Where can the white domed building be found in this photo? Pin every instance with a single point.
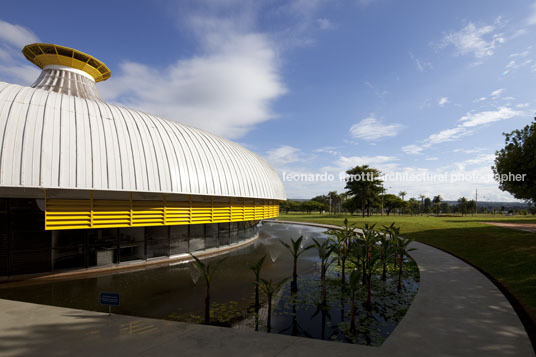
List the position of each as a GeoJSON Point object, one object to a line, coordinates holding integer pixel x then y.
{"type": "Point", "coordinates": [85, 183]}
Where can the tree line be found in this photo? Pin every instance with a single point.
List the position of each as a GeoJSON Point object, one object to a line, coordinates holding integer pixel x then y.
{"type": "Point", "coordinates": [368, 197]}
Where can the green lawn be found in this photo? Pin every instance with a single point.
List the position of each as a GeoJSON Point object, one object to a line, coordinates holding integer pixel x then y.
{"type": "Point", "coordinates": [508, 255]}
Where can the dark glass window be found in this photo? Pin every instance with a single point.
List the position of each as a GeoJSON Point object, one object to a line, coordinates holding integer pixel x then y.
{"type": "Point", "coordinates": [224, 237]}
{"type": "Point", "coordinates": [178, 239]}
{"type": "Point", "coordinates": [234, 232]}
{"type": "Point", "coordinates": [132, 244]}
{"type": "Point", "coordinates": [157, 241]}
{"type": "Point", "coordinates": [29, 244]}
{"type": "Point", "coordinates": [211, 235]}
{"type": "Point", "coordinates": [197, 237]}
{"type": "Point", "coordinates": [103, 246]}
{"type": "Point", "coordinates": [69, 249]}
{"type": "Point", "coordinates": [242, 234]}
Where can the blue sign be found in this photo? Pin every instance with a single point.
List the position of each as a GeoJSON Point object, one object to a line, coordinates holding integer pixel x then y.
{"type": "Point", "coordinates": [111, 299]}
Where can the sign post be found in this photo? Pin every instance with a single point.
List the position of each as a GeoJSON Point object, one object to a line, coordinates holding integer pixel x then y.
{"type": "Point", "coordinates": [109, 299]}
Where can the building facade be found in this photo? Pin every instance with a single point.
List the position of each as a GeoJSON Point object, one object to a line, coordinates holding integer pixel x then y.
{"type": "Point", "coordinates": [85, 183]}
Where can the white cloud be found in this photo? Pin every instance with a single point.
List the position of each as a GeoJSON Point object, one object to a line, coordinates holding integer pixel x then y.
{"type": "Point", "coordinates": [16, 35]}
{"type": "Point", "coordinates": [477, 41]}
{"type": "Point", "coordinates": [372, 129]}
{"type": "Point", "coordinates": [412, 149]}
{"type": "Point", "coordinates": [486, 160]}
{"type": "Point", "coordinates": [482, 159]}
{"type": "Point", "coordinates": [344, 163]}
{"type": "Point", "coordinates": [432, 158]}
{"type": "Point", "coordinates": [442, 101]}
{"type": "Point", "coordinates": [283, 155]}
{"type": "Point", "coordinates": [14, 67]}
{"type": "Point", "coordinates": [514, 64]}
{"type": "Point", "coordinates": [471, 120]}
{"type": "Point", "coordinates": [469, 151]}
{"type": "Point", "coordinates": [521, 54]}
{"type": "Point", "coordinates": [324, 24]}
{"type": "Point", "coordinates": [446, 135]}
{"type": "Point", "coordinates": [226, 89]}
{"type": "Point", "coordinates": [496, 93]}
{"type": "Point", "coordinates": [468, 123]}
{"type": "Point", "coordinates": [19, 73]}
{"type": "Point", "coordinates": [328, 150]}
{"type": "Point", "coordinates": [522, 105]}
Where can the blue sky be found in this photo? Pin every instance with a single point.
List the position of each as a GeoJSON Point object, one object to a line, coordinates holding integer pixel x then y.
{"type": "Point", "coordinates": [414, 87]}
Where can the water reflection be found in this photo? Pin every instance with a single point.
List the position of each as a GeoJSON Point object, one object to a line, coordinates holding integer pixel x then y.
{"type": "Point", "coordinates": [175, 292]}
{"type": "Point", "coordinates": [195, 274]}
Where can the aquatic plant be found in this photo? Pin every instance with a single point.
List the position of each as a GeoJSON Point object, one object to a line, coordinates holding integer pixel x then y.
{"type": "Point", "coordinates": [256, 268]}
{"type": "Point", "coordinates": [401, 247]}
{"type": "Point", "coordinates": [207, 271]}
{"type": "Point", "coordinates": [325, 250]}
{"type": "Point", "coordinates": [295, 249]}
{"type": "Point", "coordinates": [341, 242]}
{"type": "Point", "coordinates": [269, 288]}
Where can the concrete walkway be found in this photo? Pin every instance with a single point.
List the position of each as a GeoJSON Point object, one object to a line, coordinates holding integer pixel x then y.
{"type": "Point", "coordinates": [457, 312]}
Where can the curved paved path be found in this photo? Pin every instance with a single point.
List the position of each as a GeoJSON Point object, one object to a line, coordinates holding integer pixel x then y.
{"type": "Point", "coordinates": [457, 312]}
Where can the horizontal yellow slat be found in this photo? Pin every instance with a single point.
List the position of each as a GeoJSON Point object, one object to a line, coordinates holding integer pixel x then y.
{"type": "Point", "coordinates": [83, 214]}
{"type": "Point", "coordinates": [67, 218]}
{"type": "Point", "coordinates": [67, 222]}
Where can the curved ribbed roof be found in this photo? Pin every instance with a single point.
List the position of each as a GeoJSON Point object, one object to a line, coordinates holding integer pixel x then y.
{"type": "Point", "coordinates": [54, 140]}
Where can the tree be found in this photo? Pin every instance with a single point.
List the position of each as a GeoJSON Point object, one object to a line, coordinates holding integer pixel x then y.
{"type": "Point", "coordinates": [207, 270]}
{"type": "Point", "coordinates": [437, 204]}
{"type": "Point", "coordinates": [471, 206]}
{"type": "Point", "coordinates": [518, 157]}
{"type": "Point", "coordinates": [365, 186]}
{"type": "Point", "coordinates": [351, 205]}
{"type": "Point", "coordinates": [444, 207]}
{"type": "Point", "coordinates": [391, 202]}
{"type": "Point", "coordinates": [321, 201]}
{"type": "Point", "coordinates": [422, 197]}
{"type": "Point", "coordinates": [462, 205]}
{"type": "Point", "coordinates": [402, 194]}
{"type": "Point", "coordinates": [413, 205]}
{"type": "Point", "coordinates": [289, 205]}
{"type": "Point", "coordinates": [295, 250]}
{"type": "Point", "coordinates": [427, 205]}
{"type": "Point", "coordinates": [333, 201]}
{"type": "Point", "coordinates": [310, 206]}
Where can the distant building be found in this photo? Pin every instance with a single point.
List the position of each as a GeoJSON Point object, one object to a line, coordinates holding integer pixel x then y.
{"type": "Point", "coordinates": [85, 183]}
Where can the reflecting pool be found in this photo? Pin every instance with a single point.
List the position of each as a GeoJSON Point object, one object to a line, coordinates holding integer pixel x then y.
{"type": "Point", "coordinates": [177, 292]}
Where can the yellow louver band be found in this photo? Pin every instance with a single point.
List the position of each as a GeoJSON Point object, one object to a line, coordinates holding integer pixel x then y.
{"type": "Point", "coordinates": [96, 213]}
{"type": "Point", "coordinates": [44, 54]}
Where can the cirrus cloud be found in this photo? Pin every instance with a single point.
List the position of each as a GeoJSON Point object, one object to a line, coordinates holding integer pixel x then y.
{"type": "Point", "coordinates": [468, 123]}
{"type": "Point", "coordinates": [477, 41]}
{"type": "Point", "coordinates": [371, 129]}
